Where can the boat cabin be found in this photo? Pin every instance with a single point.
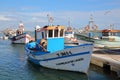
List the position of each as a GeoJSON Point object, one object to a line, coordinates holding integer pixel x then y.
{"type": "Point", "coordinates": [108, 34]}
{"type": "Point", "coordinates": [51, 37]}
{"type": "Point", "coordinates": [20, 29]}
{"type": "Point", "coordinates": [69, 33]}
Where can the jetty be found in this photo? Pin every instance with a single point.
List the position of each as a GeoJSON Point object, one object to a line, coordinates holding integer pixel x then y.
{"type": "Point", "coordinates": [108, 59]}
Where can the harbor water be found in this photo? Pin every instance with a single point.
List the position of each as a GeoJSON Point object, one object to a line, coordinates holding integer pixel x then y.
{"type": "Point", "coordinates": [14, 66]}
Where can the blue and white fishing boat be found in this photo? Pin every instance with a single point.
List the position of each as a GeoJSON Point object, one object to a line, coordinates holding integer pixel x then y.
{"type": "Point", "coordinates": [49, 51]}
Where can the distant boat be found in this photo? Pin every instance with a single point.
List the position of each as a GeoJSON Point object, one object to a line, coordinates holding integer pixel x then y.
{"type": "Point", "coordinates": [109, 39]}
{"type": "Point", "coordinates": [19, 36]}
{"type": "Point", "coordinates": [69, 36]}
{"type": "Point", "coordinates": [49, 51]}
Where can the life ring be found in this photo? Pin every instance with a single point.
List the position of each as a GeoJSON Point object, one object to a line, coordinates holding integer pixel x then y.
{"type": "Point", "coordinates": [43, 43]}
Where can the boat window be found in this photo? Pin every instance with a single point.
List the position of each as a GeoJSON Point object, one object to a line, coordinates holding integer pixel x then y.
{"type": "Point", "coordinates": [45, 33]}
{"type": "Point", "coordinates": [38, 35]}
{"type": "Point", "coordinates": [61, 32]}
{"type": "Point", "coordinates": [68, 32]}
{"type": "Point", "coordinates": [56, 33]}
{"type": "Point", "coordinates": [109, 34]}
{"type": "Point", "coordinates": [114, 34]}
{"type": "Point", "coordinates": [105, 34]}
{"type": "Point", "coordinates": [50, 33]}
{"type": "Point", "coordinates": [42, 34]}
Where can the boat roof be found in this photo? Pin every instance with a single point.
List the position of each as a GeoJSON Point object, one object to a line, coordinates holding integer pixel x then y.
{"type": "Point", "coordinates": [51, 28]}
{"type": "Point", "coordinates": [110, 30]}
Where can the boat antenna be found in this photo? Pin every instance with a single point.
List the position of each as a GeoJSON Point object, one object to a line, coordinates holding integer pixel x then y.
{"type": "Point", "coordinates": [50, 20]}
{"type": "Point", "coordinates": [69, 23]}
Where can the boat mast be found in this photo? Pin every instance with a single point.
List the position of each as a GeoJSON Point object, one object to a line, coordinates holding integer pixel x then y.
{"type": "Point", "coordinates": [69, 23]}
{"type": "Point", "coordinates": [91, 22]}
{"type": "Point", "coordinates": [50, 20]}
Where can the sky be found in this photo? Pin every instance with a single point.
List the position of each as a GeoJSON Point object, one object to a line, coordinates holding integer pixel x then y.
{"type": "Point", "coordinates": [77, 12]}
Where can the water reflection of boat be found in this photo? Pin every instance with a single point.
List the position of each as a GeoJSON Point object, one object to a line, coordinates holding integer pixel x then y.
{"type": "Point", "coordinates": [109, 39]}
{"type": "Point", "coordinates": [49, 51]}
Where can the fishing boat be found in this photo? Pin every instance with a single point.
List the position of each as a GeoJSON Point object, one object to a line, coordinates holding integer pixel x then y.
{"type": "Point", "coordinates": [20, 37]}
{"type": "Point", "coordinates": [69, 36]}
{"type": "Point", "coordinates": [109, 39]}
{"type": "Point", "coordinates": [49, 51]}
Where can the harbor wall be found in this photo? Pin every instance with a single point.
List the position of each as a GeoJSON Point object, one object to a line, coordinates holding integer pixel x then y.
{"type": "Point", "coordinates": [107, 61]}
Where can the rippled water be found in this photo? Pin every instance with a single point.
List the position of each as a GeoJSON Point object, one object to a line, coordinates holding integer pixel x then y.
{"type": "Point", "coordinates": [14, 66]}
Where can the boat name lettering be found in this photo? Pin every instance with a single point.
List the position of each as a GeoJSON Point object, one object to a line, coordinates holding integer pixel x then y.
{"type": "Point", "coordinates": [71, 61]}
{"type": "Point", "coordinates": [66, 53]}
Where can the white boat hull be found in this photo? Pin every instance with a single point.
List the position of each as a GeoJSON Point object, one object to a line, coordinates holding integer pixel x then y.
{"type": "Point", "coordinates": [106, 44]}
{"type": "Point", "coordinates": [21, 39]}
{"type": "Point", "coordinates": [76, 58]}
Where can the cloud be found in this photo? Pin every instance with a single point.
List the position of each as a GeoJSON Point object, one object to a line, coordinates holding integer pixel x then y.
{"type": "Point", "coordinates": [77, 18]}
{"type": "Point", "coordinates": [4, 18]}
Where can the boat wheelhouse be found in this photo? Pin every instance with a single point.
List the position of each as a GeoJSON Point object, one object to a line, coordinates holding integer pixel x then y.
{"type": "Point", "coordinates": [53, 35]}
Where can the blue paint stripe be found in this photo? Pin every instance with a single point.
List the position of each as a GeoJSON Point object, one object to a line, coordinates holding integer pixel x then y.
{"type": "Point", "coordinates": [66, 56]}
{"type": "Point", "coordinates": [90, 44]}
{"type": "Point", "coordinates": [85, 44]}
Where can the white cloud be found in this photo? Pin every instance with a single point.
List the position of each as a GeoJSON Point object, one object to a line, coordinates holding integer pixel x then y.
{"type": "Point", "coordinates": [77, 18]}
{"type": "Point", "coordinates": [3, 18]}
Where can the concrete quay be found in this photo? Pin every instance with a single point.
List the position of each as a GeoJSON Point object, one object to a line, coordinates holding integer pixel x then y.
{"type": "Point", "coordinates": [107, 59]}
